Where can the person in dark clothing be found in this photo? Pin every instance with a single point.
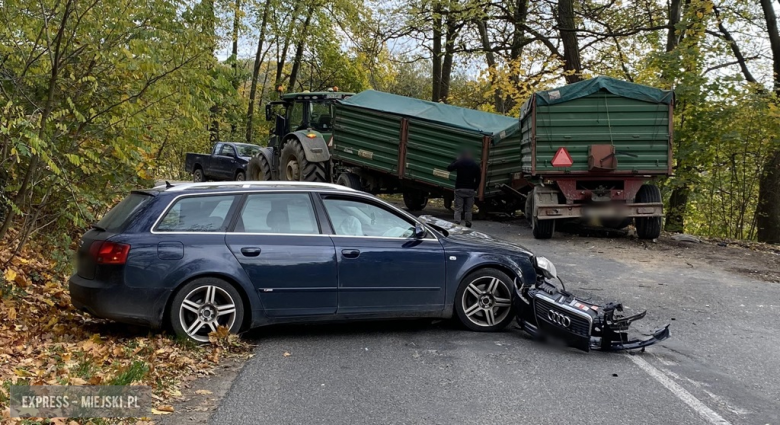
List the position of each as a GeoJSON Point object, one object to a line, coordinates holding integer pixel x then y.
{"type": "Point", "coordinates": [466, 184]}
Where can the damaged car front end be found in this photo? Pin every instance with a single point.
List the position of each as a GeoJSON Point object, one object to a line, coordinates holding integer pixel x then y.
{"type": "Point", "coordinates": [546, 310]}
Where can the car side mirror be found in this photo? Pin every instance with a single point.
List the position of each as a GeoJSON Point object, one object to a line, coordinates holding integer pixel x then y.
{"type": "Point", "coordinates": [419, 231]}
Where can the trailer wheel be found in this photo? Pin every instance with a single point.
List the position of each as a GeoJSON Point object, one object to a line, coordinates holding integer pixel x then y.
{"type": "Point", "coordinates": [259, 169]}
{"type": "Point", "coordinates": [350, 180]}
{"type": "Point", "coordinates": [541, 229]}
{"type": "Point", "coordinates": [295, 166]}
{"type": "Point", "coordinates": [415, 200]}
{"type": "Point", "coordinates": [648, 227]}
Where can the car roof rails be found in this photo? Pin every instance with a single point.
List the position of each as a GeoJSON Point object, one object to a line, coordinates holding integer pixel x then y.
{"type": "Point", "coordinates": [176, 186]}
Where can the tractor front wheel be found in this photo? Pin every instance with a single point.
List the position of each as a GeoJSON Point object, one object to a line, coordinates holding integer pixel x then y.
{"type": "Point", "coordinates": [295, 166]}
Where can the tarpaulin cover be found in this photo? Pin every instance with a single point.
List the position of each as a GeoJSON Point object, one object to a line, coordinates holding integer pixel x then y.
{"type": "Point", "coordinates": [485, 123]}
{"type": "Point", "coordinates": [594, 85]}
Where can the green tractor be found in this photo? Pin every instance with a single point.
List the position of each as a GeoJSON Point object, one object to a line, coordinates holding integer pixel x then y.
{"type": "Point", "coordinates": [298, 147]}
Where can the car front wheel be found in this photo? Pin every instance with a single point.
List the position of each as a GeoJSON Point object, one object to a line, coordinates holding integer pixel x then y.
{"type": "Point", "coordinates": [202, 306]}
{"type": "Point", "coordinates": [483, 301]}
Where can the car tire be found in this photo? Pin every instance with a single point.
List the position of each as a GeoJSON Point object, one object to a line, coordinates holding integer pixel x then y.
{"type": "Point", "coordinates": [480, 305]}
{"type": "Point", "coordinates": [415, 200]}
{"type": "Point", "coordinates": [197, 176]}
{"type": "Point", "coordinates": [295, 166]}
{"type": "Point", "coordinates": [350, 180]}
{"type": "Point", "coordinates": [240, 176]}
{"type": "Point", "coordinates": [648, 227]}
{"type": "Point", "coordinates": [210, 301]}
{"type": "Point", "coordinates": [259, 169]}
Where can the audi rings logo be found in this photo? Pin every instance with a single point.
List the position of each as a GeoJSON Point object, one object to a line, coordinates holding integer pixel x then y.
{"type": "Point", "coordinates": [559, 318]}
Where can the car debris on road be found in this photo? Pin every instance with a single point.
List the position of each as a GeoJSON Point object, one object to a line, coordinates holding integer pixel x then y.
{"type": "Point", "coordinates": [546, 311]}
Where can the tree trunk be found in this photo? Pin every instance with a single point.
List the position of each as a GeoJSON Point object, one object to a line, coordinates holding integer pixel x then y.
{"type": "Point", "coordinates": [436, 54]}
{"type": "Point", "coordinates": [450, 35]}
{"type": "Point", "coordinates": [675, 216]}
{"type": "Point", "coordinates": [768, 208]}
{"type": "Point", "coordinates": [571, 49]}
{"type": "Point", "coordinates": [299, 48]}
{"type": "Point", "coordinates": [256, 72]}
{"type": "Point", "coordinates": [234, 57]}
{"type": "Point", "coordinates": [282, 58]}
{"type": "Point", "coordinates": [490, 58]}
{"type": "Point", "coordinates": [675, 13]}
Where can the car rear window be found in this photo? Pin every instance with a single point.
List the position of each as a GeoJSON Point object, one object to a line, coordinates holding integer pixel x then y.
{"type": "Point", "coordinates": [117, 217]}
{"type": "Point", "coordinates": [198, 214]}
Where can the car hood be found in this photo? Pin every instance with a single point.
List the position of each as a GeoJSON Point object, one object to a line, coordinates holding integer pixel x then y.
{"type": "Point", "coordinates": [460, 235]}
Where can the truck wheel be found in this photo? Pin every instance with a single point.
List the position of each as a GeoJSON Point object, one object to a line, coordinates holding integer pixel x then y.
{"type": "Point", "coordinates": [197, 175]}
{"type": "Point", "coordinates": [541, 229]}
{"type": "Point", "coordinates": [648, 227]}
{"type": "Point", "coordinates": [616, 223]}
{"type": "Point", "coordinates": [240, 176]}
{"type": "Point", "coordinates": [259, 169]}
{"type": "Point", "coordinates": [415, 200]}
{"type": "Point", "coordinates": [295, 166]}
{"type": "Point", "coordinates": [350, 180]}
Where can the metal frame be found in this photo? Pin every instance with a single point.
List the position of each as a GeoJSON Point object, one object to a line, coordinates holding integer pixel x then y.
{"type": "Point", "coordinates": [249, 185]}
{"type": "Point", "coordinates": [402, 148]}
{"type": "Point", "coordinates": [483, 166]}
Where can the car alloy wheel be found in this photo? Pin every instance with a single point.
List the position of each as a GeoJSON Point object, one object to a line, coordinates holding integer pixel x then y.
{"type": "Point", "coordinates": [487, 301]}
{"type": "Point", "coordinates": [204, 309]}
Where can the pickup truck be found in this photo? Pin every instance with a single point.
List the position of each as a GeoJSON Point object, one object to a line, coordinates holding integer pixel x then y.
{"type": "Point", "coordinates": [227, 161]}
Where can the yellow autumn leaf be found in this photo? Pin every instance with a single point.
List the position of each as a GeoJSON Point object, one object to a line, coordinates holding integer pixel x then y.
{"type": "Point", "coordinates": [10, 275]}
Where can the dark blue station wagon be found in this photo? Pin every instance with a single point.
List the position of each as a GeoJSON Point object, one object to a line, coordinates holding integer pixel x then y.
{"type": "Point", "coordinates": [196, 256]}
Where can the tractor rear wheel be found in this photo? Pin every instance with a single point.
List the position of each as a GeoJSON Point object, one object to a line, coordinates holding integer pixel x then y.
{"type": "Point", "coordinates": [295, 166]}
{"type": "Point", "coordinates": [648, 227]}
{"type": "Point", "coordinates": [258, 168]}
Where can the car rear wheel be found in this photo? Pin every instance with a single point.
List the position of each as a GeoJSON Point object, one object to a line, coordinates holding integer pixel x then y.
{"type": "Point", "coordinates": [240, 176]}
{"type": "Point", "coordinates": [483, 301]}
{"type": "Point", "coordinates": [203, 305]}
{"type": "Point", "coordinates": [197, 175]}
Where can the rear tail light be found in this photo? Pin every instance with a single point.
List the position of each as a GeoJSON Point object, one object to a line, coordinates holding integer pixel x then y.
{"type": "Point", "coordinates": [107, 252]}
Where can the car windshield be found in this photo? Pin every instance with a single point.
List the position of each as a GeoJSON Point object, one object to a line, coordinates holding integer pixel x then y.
{"type": "Point", "coordinates": [247, 150]}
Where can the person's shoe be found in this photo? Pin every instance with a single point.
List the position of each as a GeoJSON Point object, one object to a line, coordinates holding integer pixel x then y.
{"type": "Point", "coordinates": [468, 224]}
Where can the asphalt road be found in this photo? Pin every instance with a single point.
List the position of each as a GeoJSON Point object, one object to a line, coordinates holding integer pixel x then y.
{"type": "Point", "coordinates": [721, 366]}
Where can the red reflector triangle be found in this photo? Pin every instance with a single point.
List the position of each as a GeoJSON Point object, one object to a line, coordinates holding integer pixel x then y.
{"type": "Point", "coordinates": [562, 158]}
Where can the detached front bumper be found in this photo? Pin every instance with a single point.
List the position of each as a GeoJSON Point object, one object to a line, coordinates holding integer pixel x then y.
{"type": "Point", "coordinates": [544, 311]}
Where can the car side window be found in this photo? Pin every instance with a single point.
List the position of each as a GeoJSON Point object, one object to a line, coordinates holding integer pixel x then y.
{"type": "Point", "coordinates": [227, 150]}
{"type": "Point", "coordinates": [278, 213]}
{"type": "Point", "coordinates": [351, 217]}
{"type": "Point", "coordinates": [198, 214]}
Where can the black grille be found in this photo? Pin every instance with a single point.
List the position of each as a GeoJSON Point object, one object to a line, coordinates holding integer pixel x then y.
{"type": "Point", "coordinates": [579, 325]}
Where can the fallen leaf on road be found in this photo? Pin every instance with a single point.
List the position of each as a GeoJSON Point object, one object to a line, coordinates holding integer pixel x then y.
{"type": "Point", "coordinates": [204, 392]}
{"type": "Point", "coordinates": [286, 354]}
{"type": "Point", "coordinates": [163, 409]}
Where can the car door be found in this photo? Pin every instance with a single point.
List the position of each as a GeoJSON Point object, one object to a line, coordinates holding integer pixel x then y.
{"type": "Point", "coordinates": [382, 267]}
{"type": "Point", "coordinates": [225, 162]}
{"type": "Point", "coordinates": [277, 240]}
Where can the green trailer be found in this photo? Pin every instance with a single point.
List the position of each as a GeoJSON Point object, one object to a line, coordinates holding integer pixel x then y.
{"type": "Point", "coordinates": [588, 150]}
{"type": "Point", "coordinates": [385, 143]}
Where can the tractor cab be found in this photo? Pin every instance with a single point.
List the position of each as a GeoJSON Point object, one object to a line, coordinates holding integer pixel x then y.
{"type": "Point", "coordinates": [303, 111]}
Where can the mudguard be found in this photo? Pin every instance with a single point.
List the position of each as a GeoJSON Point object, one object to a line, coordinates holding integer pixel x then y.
{"type": "Point", "coordinates": [268, 153]}
{"type": "Point", "coordinates": [315, 148]}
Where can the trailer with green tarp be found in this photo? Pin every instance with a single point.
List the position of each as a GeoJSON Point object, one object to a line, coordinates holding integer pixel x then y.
{"type": "Point", "coordinates": [588, 149]}
{"type": "Point", "coordinates": [385, 143]}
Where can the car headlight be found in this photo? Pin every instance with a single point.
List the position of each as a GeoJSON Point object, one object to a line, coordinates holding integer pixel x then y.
{"type": "Point", "coordinates": [546, 267]}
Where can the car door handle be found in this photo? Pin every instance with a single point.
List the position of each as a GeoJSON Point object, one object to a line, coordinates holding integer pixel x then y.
{"type": "Point", "coordinates": [250, 251]}
{"type": "Point", "coordinates": [350, 253]}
